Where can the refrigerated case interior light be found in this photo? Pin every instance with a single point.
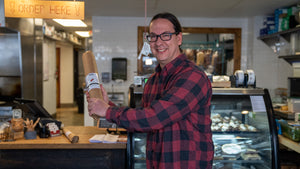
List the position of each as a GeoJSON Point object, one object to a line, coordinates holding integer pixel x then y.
{"type": "Point", "coordinates": [70, 22]}
{"type": "Point", "coordinates": [245, 112]}
{"type": "Point", "coordinates": [84, 34]}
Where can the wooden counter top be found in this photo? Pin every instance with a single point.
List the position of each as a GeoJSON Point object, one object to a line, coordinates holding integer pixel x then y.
{"type": "Point", "coordinates": [289, 143]}
{"type": "Point", "coordinates": [61, 142]}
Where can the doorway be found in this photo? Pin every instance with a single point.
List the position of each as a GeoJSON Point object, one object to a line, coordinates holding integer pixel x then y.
{"type": "Point", "coordinates": [57, 74]}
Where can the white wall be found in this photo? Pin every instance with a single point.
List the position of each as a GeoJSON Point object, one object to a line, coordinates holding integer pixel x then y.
{"type": "Point", "coordinates": [66, 73]}
{"type": "Point", "coordinates": [49, 82]}
{"type": "Point", "coordinates": [116, 37]}
{"type": "Point", "coordinates": [271, 72]}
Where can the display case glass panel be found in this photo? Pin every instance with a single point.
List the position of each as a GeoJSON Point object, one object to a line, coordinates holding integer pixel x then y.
{"type": "Point", "coordinates": [244, 131]}
{"type": "Point", "coordinates": [241, 131]}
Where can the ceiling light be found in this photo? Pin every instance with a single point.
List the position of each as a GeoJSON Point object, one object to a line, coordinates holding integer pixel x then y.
{"type": "Point", "coordinates": [84, 34]}
{"type": "Point", "coordinates": [70, 22]}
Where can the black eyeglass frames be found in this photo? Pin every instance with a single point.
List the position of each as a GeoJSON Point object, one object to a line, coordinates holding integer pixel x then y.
{"type": "Point", "coordinates": [163, 37]}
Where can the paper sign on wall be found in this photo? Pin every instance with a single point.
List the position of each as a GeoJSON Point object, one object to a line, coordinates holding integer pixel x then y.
{"type": "Point", "coordinates": [44, 9]}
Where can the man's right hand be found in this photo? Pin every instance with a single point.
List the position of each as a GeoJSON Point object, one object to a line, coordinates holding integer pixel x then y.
{"type": "Point", "coordinates": [97, 106]}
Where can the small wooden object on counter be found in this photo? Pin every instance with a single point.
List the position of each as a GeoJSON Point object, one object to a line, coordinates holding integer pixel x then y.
{"type": "Point", "coordinates": [30, 134]}
{"type": "Point", "coordinates": [17, 124]}
{"type": "Point", "coordinates": [29, 124]}
{"type": "Point", "coordinates": [18, 135]}
{"type": "Point", "coordinates": [226, 84]}
{"type": "Point", "coordinates": [71, 137]}
{"type": "Point", "coordinates": [18, 128]}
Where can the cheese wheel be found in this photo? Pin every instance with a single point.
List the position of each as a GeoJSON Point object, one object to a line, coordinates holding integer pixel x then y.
{"type": "Point", "coordinates": [91, 75]}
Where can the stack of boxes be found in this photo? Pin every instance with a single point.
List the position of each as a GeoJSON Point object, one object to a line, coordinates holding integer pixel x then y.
{"type": "Point", "coordinates": [282, 20]}
{"type": "Point", "coordinates": [269, 26]}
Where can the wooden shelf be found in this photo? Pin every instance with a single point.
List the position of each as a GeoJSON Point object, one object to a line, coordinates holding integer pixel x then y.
{"type": "Point", "coordinates": [275, 35]}
{"type": "Point", "coordinates": [64, 40]}
{"type": "Point", "coordinates": [289, 143]}
{"type": "Point", "coordinates": [271, 39]}
{"type": "Point", "coordinates": [285, 114]}
{"type": "Point", "coordinates": [290, 58]}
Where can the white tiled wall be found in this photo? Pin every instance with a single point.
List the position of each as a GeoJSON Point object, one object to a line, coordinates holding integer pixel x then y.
{"type": "Point", "coordinates": [271, 72]}
{"type": "Point", "coordinates": [117, 37]}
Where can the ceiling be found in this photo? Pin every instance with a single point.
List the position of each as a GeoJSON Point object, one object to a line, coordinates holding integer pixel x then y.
{"type": "Point", "coordinates": [181, 8]}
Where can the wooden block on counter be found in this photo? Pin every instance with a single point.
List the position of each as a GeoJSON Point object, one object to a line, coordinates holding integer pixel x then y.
{"type": "Point", "coordinates": [221, 84]}
{"type": "Point", "coordinates": [18, 135]}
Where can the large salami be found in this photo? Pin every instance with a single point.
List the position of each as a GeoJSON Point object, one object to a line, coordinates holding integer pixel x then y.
{"type": "Point", "coordinates": [91, 75]}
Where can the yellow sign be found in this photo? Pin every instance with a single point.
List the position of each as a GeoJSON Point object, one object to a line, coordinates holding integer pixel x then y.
{"type": "Point", "coordinates": [44, 9]}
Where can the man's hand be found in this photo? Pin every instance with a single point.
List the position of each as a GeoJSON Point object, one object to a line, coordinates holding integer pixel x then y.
{"type": "Point", "coordinates": [96, 106]}
{"type": "Point", "coordinates": [104, 94]}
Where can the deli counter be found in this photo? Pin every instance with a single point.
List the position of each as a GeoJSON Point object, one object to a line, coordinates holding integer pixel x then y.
{"type": "Point", "coordinates": [58, 152]}
{"type": "Point", "coordinates": [244, 131]}
{"type": "Point", "coordinates": [51, 145]}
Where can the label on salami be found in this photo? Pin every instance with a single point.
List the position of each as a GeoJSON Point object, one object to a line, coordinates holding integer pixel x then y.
{"type": "Point", "coordinates": [92, 81]}
{"type": "Point", "coordinates": [67, 133]}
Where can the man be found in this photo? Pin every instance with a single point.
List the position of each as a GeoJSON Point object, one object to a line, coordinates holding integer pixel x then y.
{"type": "Point", "coordinates": [175, 105]}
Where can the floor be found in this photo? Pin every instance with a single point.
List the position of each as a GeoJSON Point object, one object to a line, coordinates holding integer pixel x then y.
{"type": "Point", "coordinates": [69, 116]}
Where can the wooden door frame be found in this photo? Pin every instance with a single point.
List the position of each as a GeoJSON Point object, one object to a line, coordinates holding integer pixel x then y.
{"type": "Point", "coordinates": [236, 42]}
{"type": "Point", "coordinates": [57, 77]}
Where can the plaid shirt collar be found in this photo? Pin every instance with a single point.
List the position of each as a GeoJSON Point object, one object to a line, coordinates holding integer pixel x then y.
{"type": "Point", "coordinates": [172, 66]}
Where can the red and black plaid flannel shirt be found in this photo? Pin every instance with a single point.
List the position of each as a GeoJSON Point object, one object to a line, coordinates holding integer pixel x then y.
{"type": "Point", "coordinates": [176, 116]}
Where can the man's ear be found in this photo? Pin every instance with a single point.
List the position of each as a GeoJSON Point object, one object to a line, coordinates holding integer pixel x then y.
{"type": "Point", "coordinates": [179, 38]}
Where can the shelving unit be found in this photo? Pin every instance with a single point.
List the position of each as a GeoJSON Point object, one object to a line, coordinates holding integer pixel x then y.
{"type": "Point", "coordinates": [290, 58]}
{"type": "Point", "coordinates": [49, 32]}
{"type": "Point", "coordinates": [64, 40]}
{"type": "Point", "coordinates": [277, 34]}
{"type": "Point", "coordinates": [289, 143]}
{"type": "Point", "coordinates": [275, 38]}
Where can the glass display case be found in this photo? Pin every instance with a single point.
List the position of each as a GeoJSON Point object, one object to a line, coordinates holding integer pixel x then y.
{"type": "Point", "coordinates": [244, 131]}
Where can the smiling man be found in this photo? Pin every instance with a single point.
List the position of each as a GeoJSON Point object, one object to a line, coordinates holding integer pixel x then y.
{"type": "Point", "coordinates": [175, 104]}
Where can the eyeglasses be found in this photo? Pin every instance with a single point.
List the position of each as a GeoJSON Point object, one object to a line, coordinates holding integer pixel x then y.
{"type": "Point", "coordinates": [163, 37]}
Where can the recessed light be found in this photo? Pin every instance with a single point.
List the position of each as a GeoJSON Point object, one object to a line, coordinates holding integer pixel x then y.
{"type": "Point", "coordinates": [84, 34]}
{"type": "Point", "coordinates": [70, 22]}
